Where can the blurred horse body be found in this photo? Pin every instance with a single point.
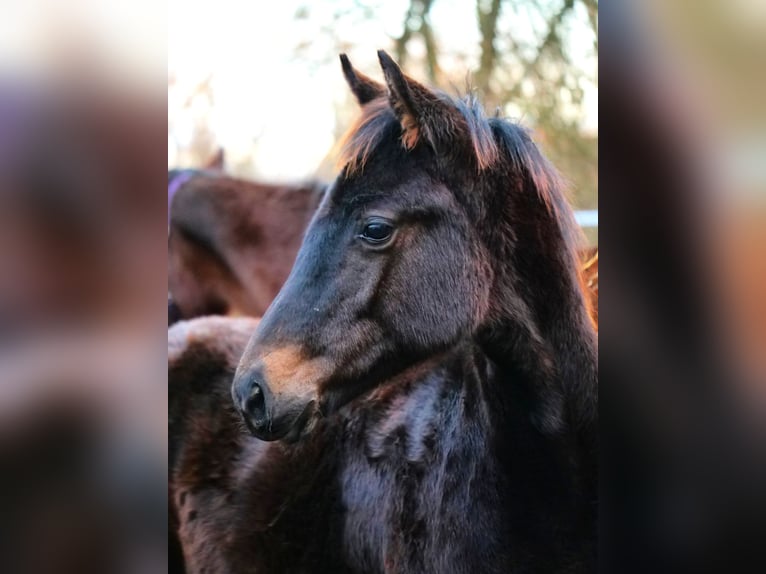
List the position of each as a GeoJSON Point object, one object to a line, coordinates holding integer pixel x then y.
{"type": "Point", "coordinates": [78, 194]}
{"type": "Point", "coordinates": [82, 420]}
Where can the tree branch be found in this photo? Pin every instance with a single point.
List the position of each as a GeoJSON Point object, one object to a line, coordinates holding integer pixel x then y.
{"type": "Point", "coordinates": [487, 16]}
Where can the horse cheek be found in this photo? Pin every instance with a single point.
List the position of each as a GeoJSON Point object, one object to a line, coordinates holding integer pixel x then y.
{"type": "Point", "coordinates": [434, 302]}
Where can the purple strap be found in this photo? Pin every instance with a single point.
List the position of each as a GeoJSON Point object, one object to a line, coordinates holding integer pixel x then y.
{"type": "Point", "coordinates": [175, 184]}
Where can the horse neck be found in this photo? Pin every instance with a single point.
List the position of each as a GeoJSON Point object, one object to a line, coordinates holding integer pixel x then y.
{"type": "Point", "coordinates": [538, 329]}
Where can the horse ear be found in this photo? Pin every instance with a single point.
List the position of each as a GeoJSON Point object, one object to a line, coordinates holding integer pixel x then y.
{"type": "Point", "coordinates": [420, 111]}
{"type": "Point", "coordinates": [217, 162]}
{"type": "Point", "coordinates": [364, 88]}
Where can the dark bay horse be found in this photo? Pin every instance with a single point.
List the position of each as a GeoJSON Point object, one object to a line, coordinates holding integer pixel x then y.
{"type": "Point", "coordinates": [422, 395]}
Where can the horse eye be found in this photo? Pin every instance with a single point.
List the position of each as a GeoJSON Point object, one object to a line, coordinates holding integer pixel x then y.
{"type": "Point", "coordinates": [377, 232]}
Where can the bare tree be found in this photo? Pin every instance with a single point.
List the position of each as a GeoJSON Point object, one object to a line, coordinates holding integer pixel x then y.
{"type": "Point", "coordinates": [535, 74]}
{"type": "Point", "coordinates": [488, 12]}
{"type": "Point", "coordinates": [417, 22]}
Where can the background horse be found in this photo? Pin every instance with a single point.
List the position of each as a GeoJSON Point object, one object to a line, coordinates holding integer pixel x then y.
{"type": "Point", "coordinates": [233, 242]}
{"type": "Point", "coordinates": [202, 356]}
{"type": "Point", "coordinates": [429, 366]}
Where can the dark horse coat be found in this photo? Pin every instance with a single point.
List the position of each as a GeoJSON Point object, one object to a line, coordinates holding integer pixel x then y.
{"type": "Point", "coordinates": [423, 391]}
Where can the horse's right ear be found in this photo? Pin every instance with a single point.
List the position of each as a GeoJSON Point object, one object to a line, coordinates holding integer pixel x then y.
{"type": "Point", "coordinates": [364, 88]}
{"type": "Point", "coordinates": [217, 162]}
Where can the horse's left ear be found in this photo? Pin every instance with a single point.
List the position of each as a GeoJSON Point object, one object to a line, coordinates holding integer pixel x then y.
{"type": "Point", "coordinates": [421, 112]}
{"type": "Point", "coordinates": [217, 162]}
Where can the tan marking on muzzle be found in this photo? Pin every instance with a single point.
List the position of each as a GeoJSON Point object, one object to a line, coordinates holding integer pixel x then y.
{"type": "Point", "coordinates": [288, 370]}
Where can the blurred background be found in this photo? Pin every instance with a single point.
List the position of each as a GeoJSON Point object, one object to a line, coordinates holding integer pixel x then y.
{"type": "Point", "coordinates": [83, 287]}
{"type": "Point", "coordinates": [265, 84]}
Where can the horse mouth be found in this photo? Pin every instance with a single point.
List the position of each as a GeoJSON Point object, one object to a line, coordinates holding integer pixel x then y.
{"type": "Point", "coordinates": [303, 424]}
{"type": "Point", "coordinates": [289, 432]}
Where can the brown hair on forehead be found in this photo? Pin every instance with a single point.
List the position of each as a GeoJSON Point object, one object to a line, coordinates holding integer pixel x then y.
{"type": "Point", "coordinates": [356, 145]}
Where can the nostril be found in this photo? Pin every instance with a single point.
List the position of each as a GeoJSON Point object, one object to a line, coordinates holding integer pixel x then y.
{"type": "Point", "coordinates": [255, 405]}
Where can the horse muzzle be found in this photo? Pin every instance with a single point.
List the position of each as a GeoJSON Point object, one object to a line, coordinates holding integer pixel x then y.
{"type": "Point", "coordinates": [268, 415]}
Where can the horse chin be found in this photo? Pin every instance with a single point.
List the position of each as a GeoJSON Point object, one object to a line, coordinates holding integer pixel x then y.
{"type": "Point", "coordinates": [303, 425]}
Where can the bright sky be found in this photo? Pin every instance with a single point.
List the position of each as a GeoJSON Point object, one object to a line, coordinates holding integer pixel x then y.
{"type": "Point", "coordinates": [261, 91]}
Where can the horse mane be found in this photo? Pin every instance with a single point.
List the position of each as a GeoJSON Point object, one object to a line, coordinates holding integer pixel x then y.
{"type": "Point", "coordinates": [551, 189]}
{"type": "Point", "coordinates": [491, 139]}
